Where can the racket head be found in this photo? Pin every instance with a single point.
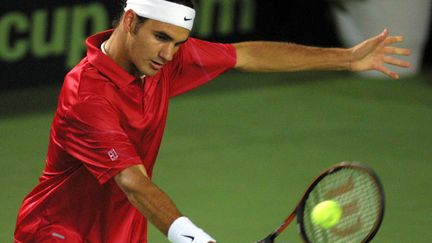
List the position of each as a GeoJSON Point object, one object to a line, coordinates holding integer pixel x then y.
{"type": "Point", "coordinates": [360, 193]}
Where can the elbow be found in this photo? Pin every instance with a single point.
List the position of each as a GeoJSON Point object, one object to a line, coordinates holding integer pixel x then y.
{"type": "Point", "coordinates": [126, 184]}
{"type": "Point", "coordinates": [131, 180]}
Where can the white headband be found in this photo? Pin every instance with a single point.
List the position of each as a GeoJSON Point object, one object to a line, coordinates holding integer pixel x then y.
{"type": "Point", "coordinates": [164, 11]}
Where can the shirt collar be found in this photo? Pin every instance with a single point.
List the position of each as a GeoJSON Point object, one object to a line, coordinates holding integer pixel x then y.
{"type": "Point", "coordinates": [105, 64]}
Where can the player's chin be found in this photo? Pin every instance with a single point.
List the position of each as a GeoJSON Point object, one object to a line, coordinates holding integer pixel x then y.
{"type": "Point", "coordinates": [149, 71]}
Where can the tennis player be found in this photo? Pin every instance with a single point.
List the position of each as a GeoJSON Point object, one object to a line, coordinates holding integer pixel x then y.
{"type": "Point", "coordinates": [111, 114]}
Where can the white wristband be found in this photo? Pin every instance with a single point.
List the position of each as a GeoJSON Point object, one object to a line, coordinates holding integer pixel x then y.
{"type": "Point", "coordinates": [182, 230]}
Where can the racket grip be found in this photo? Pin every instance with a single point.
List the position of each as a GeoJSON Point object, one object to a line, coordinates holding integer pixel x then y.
{"type": "Point", "coordinates": [269, 239]}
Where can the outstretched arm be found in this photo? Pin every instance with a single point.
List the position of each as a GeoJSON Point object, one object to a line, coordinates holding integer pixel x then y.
{"type": "Point", "coordinates": [262, 56]}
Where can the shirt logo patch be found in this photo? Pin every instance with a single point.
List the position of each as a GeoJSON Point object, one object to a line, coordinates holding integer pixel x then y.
{"type": "Point", "coordinates": [113, 155]}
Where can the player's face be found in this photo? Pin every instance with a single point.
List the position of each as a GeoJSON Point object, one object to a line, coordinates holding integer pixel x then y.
{"type": "Point", "coordinates": [154, 44]}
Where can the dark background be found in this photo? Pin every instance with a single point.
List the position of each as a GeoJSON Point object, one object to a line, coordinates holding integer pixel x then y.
{"type": "Point", "coordinates": [305, 22]}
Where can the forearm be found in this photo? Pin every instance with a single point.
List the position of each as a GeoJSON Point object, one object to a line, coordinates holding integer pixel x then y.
{"type": "Point", "coordinates": [151, 201]}
{"type": "Point", "coordinates": [261, 56]}
{"type": "Point", "coordinates": [156, 206]}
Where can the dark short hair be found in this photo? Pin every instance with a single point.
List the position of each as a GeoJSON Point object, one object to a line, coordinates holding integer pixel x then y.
{"type": "Point", "coordinates": [141, 20]}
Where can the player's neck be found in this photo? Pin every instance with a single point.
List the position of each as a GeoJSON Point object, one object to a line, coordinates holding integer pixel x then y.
{"type": "Point", "coordinates": [114, 48]}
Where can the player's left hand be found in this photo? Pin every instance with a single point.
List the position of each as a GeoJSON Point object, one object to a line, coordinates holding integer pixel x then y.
{"type": "Point", "coordinates": [373, 53]}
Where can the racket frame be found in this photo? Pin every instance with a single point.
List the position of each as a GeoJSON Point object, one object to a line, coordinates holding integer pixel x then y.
{"type": "Point", "coordinates": [299, 209]}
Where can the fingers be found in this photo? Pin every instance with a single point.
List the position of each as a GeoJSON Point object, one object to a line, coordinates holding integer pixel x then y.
{"type": "Point", "coordinates": [397, 51]}
{"type": "Point", "coordinates": [393, 39]}
{"type": "Point", "coordinates": [392, 61]}
{"type": "Point", "coordinates": [396, 62]}
{"type": "Point", "coordinates": [388, 72]}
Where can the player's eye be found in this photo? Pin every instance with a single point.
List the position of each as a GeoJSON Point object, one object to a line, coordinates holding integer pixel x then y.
{"type": "Point", "coordinates": [162, 37]}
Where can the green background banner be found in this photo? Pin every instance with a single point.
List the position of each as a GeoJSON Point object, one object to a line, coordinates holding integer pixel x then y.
{"type": "Point", "coordinates": [40, 42]}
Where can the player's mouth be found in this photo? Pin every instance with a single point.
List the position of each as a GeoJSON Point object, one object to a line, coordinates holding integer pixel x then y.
{"type": "Point", "coordinates": [156, 65]}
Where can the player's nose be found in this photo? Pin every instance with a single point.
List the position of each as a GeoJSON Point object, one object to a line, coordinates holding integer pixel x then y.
{"type": "Point", "coordinates": [167, 52]}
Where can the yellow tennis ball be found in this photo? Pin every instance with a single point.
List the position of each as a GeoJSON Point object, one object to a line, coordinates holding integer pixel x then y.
{"type": "Point", "coordinates": [326, 214]}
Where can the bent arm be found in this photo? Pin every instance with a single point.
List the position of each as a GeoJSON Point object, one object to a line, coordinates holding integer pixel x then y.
{"type": "Point", "coordinates": [151, 201]}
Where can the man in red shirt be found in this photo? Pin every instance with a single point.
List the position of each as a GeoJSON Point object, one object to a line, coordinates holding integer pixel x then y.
{"type": "Point", "coordinates": [108, 126]}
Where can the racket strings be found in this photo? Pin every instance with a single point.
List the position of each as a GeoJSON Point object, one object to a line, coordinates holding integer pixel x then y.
{"type": "Point", "coordinates": [358, 195]}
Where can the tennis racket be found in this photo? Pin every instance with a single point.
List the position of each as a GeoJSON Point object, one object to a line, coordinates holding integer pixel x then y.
{"type": "Point", "coordinates": [357, 189]}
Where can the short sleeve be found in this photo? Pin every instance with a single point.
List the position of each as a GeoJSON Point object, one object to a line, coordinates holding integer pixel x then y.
{"type": "Point", "coordinates": [199, 61]}
{"type": "Point", "coordinates": [95, 137]}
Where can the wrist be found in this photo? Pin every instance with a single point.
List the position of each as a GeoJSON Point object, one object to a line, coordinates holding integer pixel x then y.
{"type": "Point", "coordinates": [348, 59]}
{"type": "Point", "coordinates": [182, 230]}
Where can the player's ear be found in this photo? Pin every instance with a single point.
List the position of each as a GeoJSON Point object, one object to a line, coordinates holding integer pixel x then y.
{"type": "Point", "coordinates": [129, 21]}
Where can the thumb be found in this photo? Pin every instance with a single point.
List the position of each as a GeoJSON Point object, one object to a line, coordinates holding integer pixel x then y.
{"type": "Point", "coordinates": [380, 37]}
{"type": "Point", "coordinates": [370, 44]}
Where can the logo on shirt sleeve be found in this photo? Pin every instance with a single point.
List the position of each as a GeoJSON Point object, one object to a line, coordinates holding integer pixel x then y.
{"type": "Point", "coordinates": [113, 155]}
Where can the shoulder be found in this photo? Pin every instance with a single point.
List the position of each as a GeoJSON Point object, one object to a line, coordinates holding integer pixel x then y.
{"type": "Point", "coordinates": [85, 82]}
{"type": "Point", "coordinates": [194, 44]}
{"type": "Point", "coordinates": [86, 79]}
{"type": "Point", "coordinates": [201, 52]}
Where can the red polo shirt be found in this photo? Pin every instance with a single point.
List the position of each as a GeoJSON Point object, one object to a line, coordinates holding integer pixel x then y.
{"type": "Point", "coordinates": [106, 121]}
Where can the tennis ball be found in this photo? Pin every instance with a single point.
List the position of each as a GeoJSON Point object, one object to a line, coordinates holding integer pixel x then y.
{"type": "Point", "coordinates": [326, 214]}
